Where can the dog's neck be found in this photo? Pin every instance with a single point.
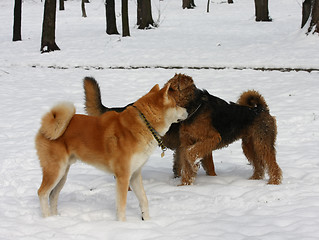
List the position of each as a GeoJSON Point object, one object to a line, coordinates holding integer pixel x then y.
{"type": "Point", "coordinates": [194, 105]}
{"type": "Point", "coordinates": [155, 134]}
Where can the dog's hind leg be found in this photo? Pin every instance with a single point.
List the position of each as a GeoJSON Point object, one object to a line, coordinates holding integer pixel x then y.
{"type": "Point", "coordinates": [138, 189]}
{"type": "Point", "coordinates": [268, 154]}
{"type": "Point", "coordinates": [54, 195]}
{"type": "Point", "coordinates": [274, 171]}
{"type": "Point", "coordinates": [122, 184]}
{"type": "Point", "coordinates": [50, 181]}
{"type": "Point", "coordinates": [208, 165]}
{"type": "Point", "coordinates": [262, 156]}
{"type": "Point", "coordinates": [254, 158]}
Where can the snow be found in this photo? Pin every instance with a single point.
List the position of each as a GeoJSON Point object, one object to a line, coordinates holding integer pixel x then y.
{"type": "Point", "coordinates": [228, 206]}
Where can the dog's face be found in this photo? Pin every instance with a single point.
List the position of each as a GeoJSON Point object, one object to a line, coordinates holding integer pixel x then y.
{"type": "Point", "coordinates": [161, 108]}
{"type": "Point", "coordinates": [174, 112]}
{"type": "Point", "coordinates": [171, 111]}
{"type": "Point", "coordinates": [182, 89]}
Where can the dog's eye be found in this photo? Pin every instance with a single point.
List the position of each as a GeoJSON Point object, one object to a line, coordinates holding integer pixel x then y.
{"type": "Point", "coordinates": [171, 89]}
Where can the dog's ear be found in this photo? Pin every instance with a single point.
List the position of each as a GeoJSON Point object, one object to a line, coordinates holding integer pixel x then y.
{"type": "Point", "coordinates": [164, 92]}
{"type": "Point", "coordinates": [184, 81]}
{"type": "Point", "coordinates": [165, 89]}
{"type": "Point", "coordinates": [156, 88]}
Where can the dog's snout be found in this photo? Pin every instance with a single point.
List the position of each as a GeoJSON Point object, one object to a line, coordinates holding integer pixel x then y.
{"type": "Point", "coordinates": [183, 114]}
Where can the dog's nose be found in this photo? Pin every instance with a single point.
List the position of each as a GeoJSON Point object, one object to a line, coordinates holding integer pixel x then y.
{"type": "Point", "coordinates": [183, 117]}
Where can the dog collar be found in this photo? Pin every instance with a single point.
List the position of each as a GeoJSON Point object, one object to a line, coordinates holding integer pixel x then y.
{"type": "Point", "coordinates": [194, 111]}
{"type": "Point", "coordinates": [155, 134]}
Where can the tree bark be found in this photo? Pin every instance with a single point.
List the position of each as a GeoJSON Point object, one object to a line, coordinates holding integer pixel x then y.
{"type": "Point", "coordinates": [17, 20]}
{"type": "Point", "coordinates": [314, 24]}
{"type": "Point", "coordinates": [261, 11]}
{"type": "Point", "coordinates": [306, 10]}
{"type": "Point", "coordinates": [61, 5]}
{"type": "Point", "coordinates": [125, 21]}
{"type": "Point", "coordinates": [110, 17]}
{"type": "Point", "coordinates": [144, 14]}
{"type": "Point", "coordinates": [48, 28]}
{"type": "Point", "coordinates": [311, 8]}
{"type": "Point", "coordinates": [189, 4]}
{"type": "Point", "coordinates": [83, 8]}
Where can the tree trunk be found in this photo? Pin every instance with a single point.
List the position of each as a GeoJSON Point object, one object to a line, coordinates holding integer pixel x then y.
{"type": "Point", "coordinates": [17, 21]}
{"type": "Point", "coordinates": [315, 16]}
{"type": "Point", "coordinates": [311, 8]}
{"type": "Point", "coordinates": [61, 5]}
{"type": "Point", "coordinates": [261, 11]}
{"type": "Point", "coordinates": [48, 28]}
{"type": "Point", "coordinates": [110, 17]}
{"type": "Point", "coordinates": [83, 8]}
{"type": "Point", "coordinates": [230, 1]}
{"type": "Point", "coordinates": [144, 14]}
{"type": "Point", "coordinates": [306, 10]}
{"type": "Point", "coordinates": [189, 4]}
{"type": "Point", "coordinates": [125, 21]}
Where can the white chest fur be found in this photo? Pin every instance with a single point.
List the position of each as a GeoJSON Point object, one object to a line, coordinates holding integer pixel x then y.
{"type": "Point", "coordinates": [139, 159]}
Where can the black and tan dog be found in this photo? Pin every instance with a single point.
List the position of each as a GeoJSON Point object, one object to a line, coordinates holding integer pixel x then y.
{"type": "Point", "coordinates": [212, 124]}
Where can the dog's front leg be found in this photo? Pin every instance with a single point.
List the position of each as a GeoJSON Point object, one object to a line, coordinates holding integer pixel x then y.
{"type": "Point", "coordinates": [188, 171]}
{"type": "Point", "coordinates": [192, 155]}
{"type": "Point", "coordinates": [177, 168]}
{"type": "Point", "coordinates": [138, 189]}
{"type": "Point", "coordinates": [208, 165]}
{"type": "Point", "coordinates": [122, 184]}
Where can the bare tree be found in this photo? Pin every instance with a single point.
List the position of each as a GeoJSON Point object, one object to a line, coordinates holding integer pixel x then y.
{"type": "Point", "coordinates": [208, 2]}
{"type": "Point", "coordinates": [125, 22]}
{"type": "Point", "coordinates": [306, 10]}
{"type": "Point", "coordinates": [189, 4]}
{"type": "Point", "coordinates": [61, 5]}
{"type": "Point", "coordinates": [110, 17]}
{"type": "Point", "coordinates": [17, 21]}
{"type": "Point", "coordinates": [261, 11]}
{"type": "Point", "coordinates": [48, 28]}
{"type": "Point", "coordinates": [310, 8]}
{"type": "Point", "coordinates": [144, 14]}
{"type": "Point", "coordinates": [83, 8]}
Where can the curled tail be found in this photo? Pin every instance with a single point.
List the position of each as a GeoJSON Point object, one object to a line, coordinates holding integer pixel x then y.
{"type": "Point", "coordinates": [57, 120]}
{"type": "Point", "coordinates": [93, 102]}
{"type": "Point", "coordinates": [252, 98]}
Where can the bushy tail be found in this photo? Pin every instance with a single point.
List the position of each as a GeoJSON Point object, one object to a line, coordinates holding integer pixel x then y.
{"type": "Point", "coordinates": [252, 98]}
{"type": "Point", "coordinates": [93, 102]}
{"type": "Point", "coordinates": [57, 120]}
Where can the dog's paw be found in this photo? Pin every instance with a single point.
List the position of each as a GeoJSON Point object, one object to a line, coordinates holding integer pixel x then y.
{"type": "Point", "coordinates": [275, 181]}
{"type": "Point", "coordinates": [187, 182]}
{"type": "Point", "coordinates": [145, 216]}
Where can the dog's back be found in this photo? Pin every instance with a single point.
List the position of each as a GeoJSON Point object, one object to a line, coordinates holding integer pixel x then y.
{"type": "Point", "coordinates": [229, 119]}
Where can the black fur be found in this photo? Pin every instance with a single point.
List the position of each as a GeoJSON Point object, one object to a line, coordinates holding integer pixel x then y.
{"type": "Point", "coordinates": [229, 119]}
{"type": "Point", "coordinates": [118, 109]}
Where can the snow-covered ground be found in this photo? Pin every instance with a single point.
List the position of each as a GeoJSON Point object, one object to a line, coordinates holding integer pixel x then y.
{"type": "Point", "coordinates": [228, 206]}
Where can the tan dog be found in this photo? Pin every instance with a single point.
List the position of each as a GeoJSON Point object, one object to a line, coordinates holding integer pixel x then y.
{"type": "Point", "coordinates": [119, 143]}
